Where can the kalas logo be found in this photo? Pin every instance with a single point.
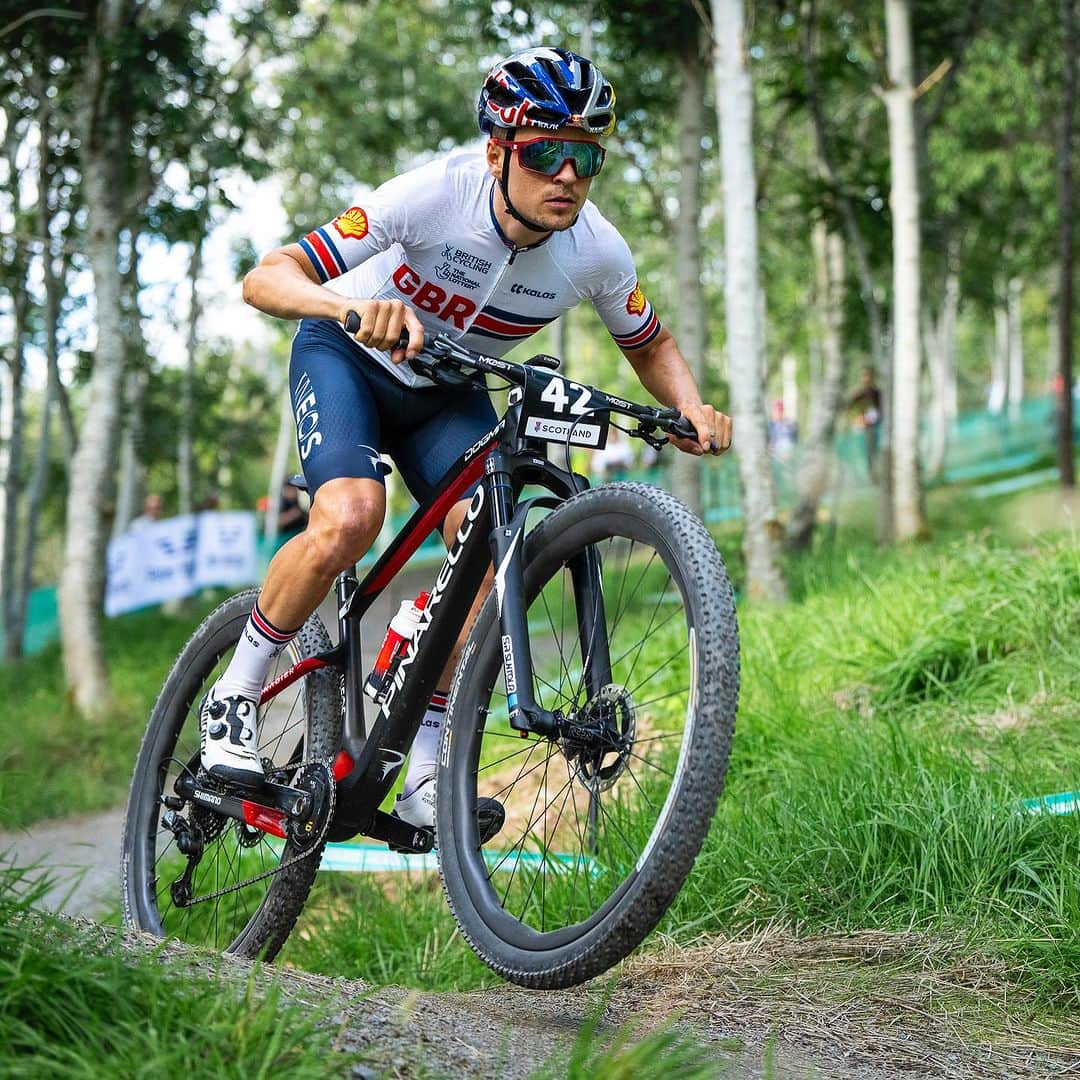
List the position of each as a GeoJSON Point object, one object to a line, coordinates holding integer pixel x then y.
{"type": "Point", "coordinates": [353, 224]}
{"type": "Point", "coordinates": [635, 302]}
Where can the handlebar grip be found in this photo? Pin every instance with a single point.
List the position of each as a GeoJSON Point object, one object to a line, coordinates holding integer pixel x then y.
{"type": "Point", "coordinates": [683, 429]}
{"type": "Point", "coordinates": [352, 322]}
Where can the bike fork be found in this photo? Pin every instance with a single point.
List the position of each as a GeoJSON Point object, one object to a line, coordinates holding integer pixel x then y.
{"type": "Point", "coordinates": [507, 554]}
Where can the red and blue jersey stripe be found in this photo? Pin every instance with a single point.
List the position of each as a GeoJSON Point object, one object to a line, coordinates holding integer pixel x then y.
{"type": "Point", "coordinates": [324, 256]}
{"type": "Point", "coordinates": [493, 322]}
{"type": "Point", "coordinates": [642, 336]}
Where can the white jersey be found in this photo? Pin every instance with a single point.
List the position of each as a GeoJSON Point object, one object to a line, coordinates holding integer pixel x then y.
{"type": "Point", "coordinates": [430, 237]}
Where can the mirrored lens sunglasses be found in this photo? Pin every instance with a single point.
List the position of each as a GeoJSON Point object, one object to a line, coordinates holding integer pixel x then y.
{"type": "Point", "coordinates": [547, 156]}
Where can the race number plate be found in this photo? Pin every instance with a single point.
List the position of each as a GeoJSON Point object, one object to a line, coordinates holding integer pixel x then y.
{"type": "Point", "coordinates": [555, 408]}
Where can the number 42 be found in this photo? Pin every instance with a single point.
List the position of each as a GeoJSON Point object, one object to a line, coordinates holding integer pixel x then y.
{"type": "Point", "coordinates": [556, 396]}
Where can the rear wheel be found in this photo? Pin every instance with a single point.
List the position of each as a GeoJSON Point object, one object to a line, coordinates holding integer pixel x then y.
{"type": "Point", "coordinates": [603, 820]}
{"type": "Point", "coordinates": [300, 724]}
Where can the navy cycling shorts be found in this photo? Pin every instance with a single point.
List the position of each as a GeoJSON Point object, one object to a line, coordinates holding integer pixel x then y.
{"type": "Point", "coordinates": [348, 409]}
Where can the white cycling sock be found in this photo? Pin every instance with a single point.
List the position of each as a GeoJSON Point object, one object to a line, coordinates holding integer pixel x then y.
{"type": "Point", "coordinates": [259, 645]}
{"type": "Point", "coordinates": [425, 747]}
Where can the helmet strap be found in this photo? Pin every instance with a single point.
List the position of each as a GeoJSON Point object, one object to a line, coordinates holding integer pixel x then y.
{"type": "Point", "coordinates": [504, 187]}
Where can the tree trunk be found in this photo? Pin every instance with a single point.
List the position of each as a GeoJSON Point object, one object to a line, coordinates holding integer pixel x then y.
{"type": "Point", "coordinates": [830, 289]}
{"type": "Point", "coordinates": [904, 201]}
{"type": "Point", "coordinates": [35, 495]}
{"type": "Point", "coordinates": [940, 344]}
{"type": "Point", "coordinates": [735, 108]}
{"type": "Point", "coordinates": [104, 155]}
{"type": "Point", "coordinates": [184, 450]}
{"type": "Point", "coordinates": [285, 435]}
{"type": "Point", "coordinates": [690, 316]}
{"type": "Point", "coordinates": [1016, 349]}
{"type": "Point", "coordinates": [868, 290]}
{"type": "Point", "coordinates": [11, 470]}
{"type": "Point", "coordinates": [130, 490]}
{"type": "Point", "coordinates": [1053, 362]}
{"type": "Point", "coordinates": [999, 371]}
{"type": "Point", "coordinates": [1066, 464]}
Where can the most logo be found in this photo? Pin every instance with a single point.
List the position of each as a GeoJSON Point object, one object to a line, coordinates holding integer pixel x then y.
{"type": "Point", "coordinates": [635, 302]}
{"type": "Point", "coordinates": [353, 224]}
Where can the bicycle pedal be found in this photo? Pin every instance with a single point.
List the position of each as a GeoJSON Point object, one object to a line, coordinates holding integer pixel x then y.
{"type": "Point", "coordinates": [418, 831]}
{"type": "Point", "coordinates": [400, 836]}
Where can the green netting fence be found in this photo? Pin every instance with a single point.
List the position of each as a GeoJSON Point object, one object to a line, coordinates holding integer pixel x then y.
{"type": "Point", "coordinates": [980, 446]}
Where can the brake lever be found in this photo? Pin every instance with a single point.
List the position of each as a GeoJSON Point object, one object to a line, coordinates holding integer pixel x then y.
{"type": "Point", "coordinates": [648, 434]}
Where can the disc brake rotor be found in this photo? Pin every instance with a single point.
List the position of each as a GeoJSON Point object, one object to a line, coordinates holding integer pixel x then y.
{"type": "Point", "coordinates": [604, 737]}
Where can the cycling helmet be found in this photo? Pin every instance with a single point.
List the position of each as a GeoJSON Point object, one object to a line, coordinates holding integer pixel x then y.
{"type": "Point", "coordinates": [544, 88]}
{"type": "Point", "coordinates": [547, 88]}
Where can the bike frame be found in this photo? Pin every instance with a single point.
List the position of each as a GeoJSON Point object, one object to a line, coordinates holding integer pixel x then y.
{"type": "Point", "coordinates": [491, 534]}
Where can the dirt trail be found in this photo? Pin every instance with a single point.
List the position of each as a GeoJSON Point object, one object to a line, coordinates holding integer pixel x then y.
{"type": "Point", "coordinates": [849, 1007]}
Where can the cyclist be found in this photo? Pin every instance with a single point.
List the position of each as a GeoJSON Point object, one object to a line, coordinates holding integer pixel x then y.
{"type": "Point", "coordinates": [487, 247]}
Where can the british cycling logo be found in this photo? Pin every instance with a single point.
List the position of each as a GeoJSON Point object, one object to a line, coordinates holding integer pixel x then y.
{"type": "Point", "coordinates": [353, 224]}
{"type": "Point", "coordinates": [464, 258]}
{"type": "Point", "coordinates": [456, 276]}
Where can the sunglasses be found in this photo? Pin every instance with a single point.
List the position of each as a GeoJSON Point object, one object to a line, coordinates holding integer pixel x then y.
{"type": "Point", "coordinates": [547, 156]}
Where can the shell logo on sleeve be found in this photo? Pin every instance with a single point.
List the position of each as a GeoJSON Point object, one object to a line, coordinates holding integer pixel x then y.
{"type": "Point", "coordinates": [353, 224]}
{"type": "Point", "coordinates": [635, 302]}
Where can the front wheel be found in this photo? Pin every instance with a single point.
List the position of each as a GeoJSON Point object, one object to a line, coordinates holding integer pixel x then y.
{"type": "Point", "coordinates": [634, 642]}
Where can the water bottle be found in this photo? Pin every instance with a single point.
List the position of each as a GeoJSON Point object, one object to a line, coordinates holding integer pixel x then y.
{"type": "Point", "coordinates": [399, 635]}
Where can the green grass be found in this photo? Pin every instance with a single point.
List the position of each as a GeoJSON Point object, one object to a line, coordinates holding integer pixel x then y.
{"type": "Point", "coordinates": [387, 934]}
{"type": "Point", "coordinates": [56, 763]}
{"type": "Point", "coordinates": [888, 727]}
{"type": "Point", "coordinates": [892, 716]}
{"type": "Point", "coordinates": [73, 1006]}
{"type": "Point", "coordinates": [891, 719]}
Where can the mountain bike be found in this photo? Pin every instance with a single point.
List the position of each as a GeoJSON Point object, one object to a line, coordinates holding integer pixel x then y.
{"type": "Point", "coordinates": [588, 728]}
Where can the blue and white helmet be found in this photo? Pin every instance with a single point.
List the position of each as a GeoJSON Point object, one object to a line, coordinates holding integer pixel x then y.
{"type": "Point", "coordinates": [547, 88]}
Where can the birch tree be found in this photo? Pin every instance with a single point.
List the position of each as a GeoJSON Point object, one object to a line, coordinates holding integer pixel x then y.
{"type": "Point", "coordinates": [690, 316]}
{"type": "Point", "coordinates": [939, 336]}
{"type": "Point", "coordinates": [735, 109]}
{"type": "Point", "coordinates": [184, 451]}
{"type": "Point", "coordinates": [1016, 347]}
{"type": "Point", "coordinates": [829, 300]}
{"type": "Point", "coordinates": [1066, 195]}
{"type": "Point", "coordinates": [14, 267]}
{"type": "Point", "coordinates": [104, 119]}
{"type": "Point", "coordinates": [899, 96]}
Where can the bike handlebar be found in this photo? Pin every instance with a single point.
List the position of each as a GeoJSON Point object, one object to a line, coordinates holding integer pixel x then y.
{"type": "Point", "coordinates": [449, 353]}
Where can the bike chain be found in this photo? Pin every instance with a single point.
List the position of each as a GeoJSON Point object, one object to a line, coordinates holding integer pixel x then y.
{"type": "Point", "coordinates": [314, 846]}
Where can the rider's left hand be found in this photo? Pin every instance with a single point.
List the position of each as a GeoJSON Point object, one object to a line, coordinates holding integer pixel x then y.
{"type": "Point", "coordinates": [713, 428]}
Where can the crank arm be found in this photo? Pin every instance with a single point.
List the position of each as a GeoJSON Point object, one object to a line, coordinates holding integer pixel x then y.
{"type": "Point", "coordinates": [273, 798]}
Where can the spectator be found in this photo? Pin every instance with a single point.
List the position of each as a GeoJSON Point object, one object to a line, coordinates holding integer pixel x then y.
{"type": "Point", "coordinates": [152, 507]}
{"type": "Point", "coordinates": [867, 398]}
{"type": "Point", "coordinates": [783, 434]}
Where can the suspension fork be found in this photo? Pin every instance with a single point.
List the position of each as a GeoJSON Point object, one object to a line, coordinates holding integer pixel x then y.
{"type": "Point", "coordinates": [506, 542]}
{"type": "Point", "coordinates": [586, 573]}
{"type": "Point", "coordinates": [507, 556]}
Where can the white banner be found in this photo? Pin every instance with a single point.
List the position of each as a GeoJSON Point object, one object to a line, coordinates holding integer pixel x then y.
{"type": "Point", "coordinates": [157, 561]}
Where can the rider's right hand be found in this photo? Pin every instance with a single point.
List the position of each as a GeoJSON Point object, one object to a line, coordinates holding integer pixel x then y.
{"type": "Point", "coordinates": [382, 323]}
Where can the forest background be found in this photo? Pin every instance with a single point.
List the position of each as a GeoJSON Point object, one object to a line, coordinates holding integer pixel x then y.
{"type": "Point", "coordinates": [808, 188]}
